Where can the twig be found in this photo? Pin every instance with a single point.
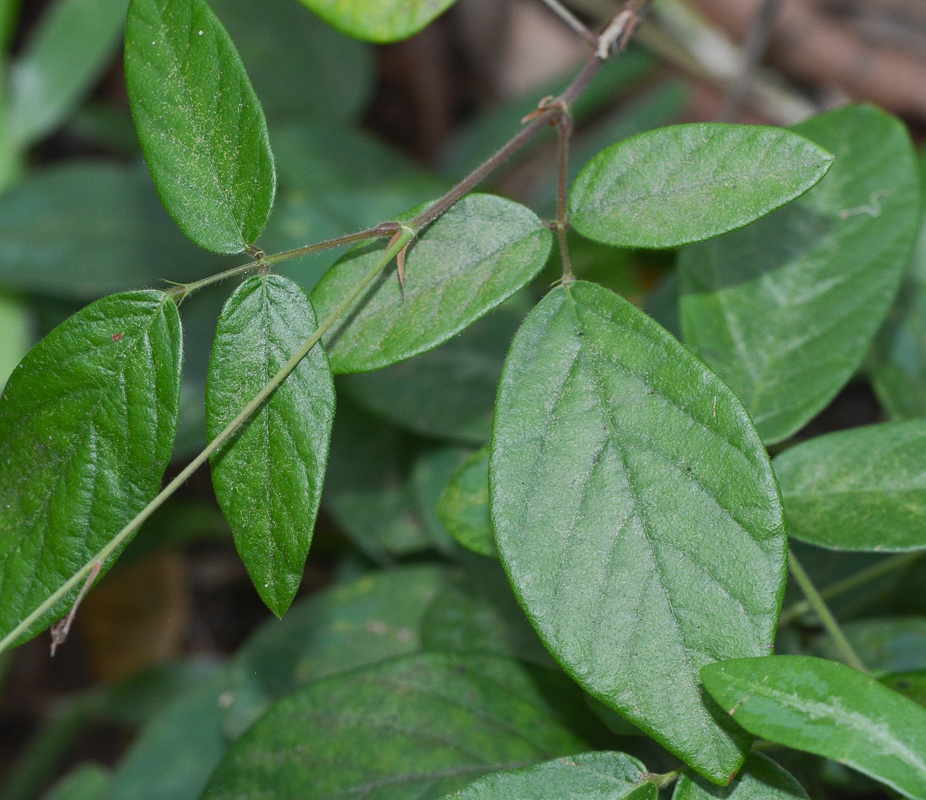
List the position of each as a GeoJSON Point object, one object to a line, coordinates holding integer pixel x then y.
{"type": "Point", "coordinates": [61, 629]}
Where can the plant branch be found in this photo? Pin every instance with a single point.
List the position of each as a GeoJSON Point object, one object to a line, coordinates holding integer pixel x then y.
{"type": "Point", "coordinates": [760, 32]}
{"type": "Point", "coordinates": [564, 131]}
{"type": "Point", "coordinates": [826, 617]}
{"type": "Point", "coordinates": [215, 444]}
{"type": "Point", "coordinates": [570, 19]}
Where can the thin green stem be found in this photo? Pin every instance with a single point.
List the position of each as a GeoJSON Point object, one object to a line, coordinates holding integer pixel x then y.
{"type": "Point", "coordinates": [564, 131]}
{"type": "Point", "coordinates": [664, 779]}
{"type": "Point", "coordinates": [403, 239]}
{"type": "Point", "coordinates": [886, 567]}
{"type": "Point", "coordinates": [823, 612]}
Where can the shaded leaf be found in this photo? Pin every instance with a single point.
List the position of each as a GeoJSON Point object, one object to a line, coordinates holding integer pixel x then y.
{"type": "Point", "coordinates": [587, 776]}
{"type": "Point", "coordinates": [200, 123]}
{"type": "Point", "coordinates": [88, 781]}
{"type": "Point", "coordinates": [430, 473]}
{"type": "Point", "coordinates": [785, 310]}
{"type": "Point", "coordinates": [379, 20]}
{"type": "Point", "coordinates": [87, 423]}
{"type": "Point", "coordinates": [760, 779]}
{"type": "Point", "coordinates": [829, 709]}
{"type": "Point", "coordinates": [415, 727]}
{"type": "Point", "coordinates": [636, 514]}
{"type": "Point", "coordinates": [685, 183]}
{"type": "Point", "coordinates": [64, 57]}
{"type": "Point", "coordinates": [464, 505]}
{"type": "Point", "coordinates": [883, 644]}
{"type": "Point", "coordinates": [467, 262]}
{"type": "Point", "coordinates": [360, 623]}
{"type": "Point", "coordinates": [859, 489]}
{"type": "Point", "coordinates": [268, 476]}
{"type": "Point", "coordinates": [912, 684]}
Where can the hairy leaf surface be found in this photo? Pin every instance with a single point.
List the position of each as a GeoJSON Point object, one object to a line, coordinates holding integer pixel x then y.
{"type": "Point", "coordinates": [416, 727]}
{"type": "Point", "coordinates": [859, 489]}
{"type": "Point", "coordinates": [587, 776]}
{"type": "Point", "coordinates": [379, 20]}
{"type": "Point", "coordinates": [268, 476]}
{"type": "Point", "coordinates": [685, 183]}
{"type": "Point", "coordinates": [87, 424]}
{"type": "Point", "coordinates": [636, 513]}
{"type": "Point", "coordinates": [463, 265]}
{"type": "Point", "coordinates": [785, 310]}
{"type": "Point", "coordinates": [760, 779]}
{"type": "Point", "coordinates": [830, 709]}
{"type": "Point", "coordinates": [201, 126]}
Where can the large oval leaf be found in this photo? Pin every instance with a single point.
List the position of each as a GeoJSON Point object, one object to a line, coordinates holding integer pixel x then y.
{"type": "Point", "coordinates": [636, 514]}
{"type": "Point", "coordinates": [201, 126]}
{"type": "Point", "coordinates": [463, 265]}
{"type": "Point", "coordinates": [860, 489]}
{"type": "Point", "coordinates": [785, 310]}
{"type": "Point", "coordinates": [685, 183]}
{"type": "Point", "coordinates": [587, 776]}
{"type": "Point", "coordinates": [415, 728]}
{"type": "Point", "coordinates": [87, 424]}
{"type": "Point", "coordinates": [760, 779]}
{"type": "Point", "coordinates": [827, 708]}
{"type": "Point", "coordinates": [379, 20]}
{"type": "Point", "coordinates": [268, 477]}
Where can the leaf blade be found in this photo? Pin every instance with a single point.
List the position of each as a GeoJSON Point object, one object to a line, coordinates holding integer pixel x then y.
{"type": "Point", "coordinates": [685, 183]}
{"type": "Point", "coordinates": [380, 21]}
{"type": "Point", "coordinates": [87, 424]}
{"type": "Point", "coordinates": [268, 477]}
{"type": "Point", "coordinates": [586, 509]}
{"type": "Point", "coordinates": [201, 126]}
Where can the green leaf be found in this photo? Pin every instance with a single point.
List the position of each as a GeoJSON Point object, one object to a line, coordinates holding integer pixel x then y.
{"type": "Point", "coordinates": [912, 684]}
{"type": "Point", "coordinates": [268, 476]}
{"type": "Point", "coordinates": [463, 265]}
{"type": "Point", "coordinates": [760, 779]}
{"type": "Point", "coordinates": [829, 709]}
{"type": "Point", "coordinates": [86, 229]}
{"type": "Point", "coordinates": [301, 69]}
{"type": "Point", "coordinates": [201, 126]}
{"type": "Point", "coordinates": [472, 362]}
{"type": "Point", "coordinates": [73, 44]}
{"type": "Point", "coordinates": [859, 489]}
{"type": "Point", "coordinates": [637, 516]}
{"type": "Point", "coordinates": [174, 755]}
{"type": "Point", "coordinates": [686, 183]}
{"type": "Point", "coordinates": [15, 332]}
{"type": "Point", "coordinates": [464, 505]}
{"type": "Point", "coordinates": [88, 781]}
{"type": "Point", "coordinates": [785, 310]}
{"type": "Point", "coordinates": [430, 473]}
{"type": "Point", "coordinates": [883, 644]}
{"type": "Point", "coordinates": [87, 423]}
{"type": "Point", "coordinates": [379, 20]}
{"type": "Point", "coordinates": [591, 776]}
{"type": "Point", "coordinates": [344, 628]}
{"type": "Point", "coordinates": [416, 727]}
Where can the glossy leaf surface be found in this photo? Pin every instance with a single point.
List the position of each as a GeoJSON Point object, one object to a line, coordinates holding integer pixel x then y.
{"type": "Point", "coordinates": [363, 622]}
{"type": "Point", "coordinates": [685, 183]}
{"type": "Point", "coordinates": [636, 514]}
{"type": "Point", "coordinates": [827, 708]}
{"type": "Point", "coordinates": [785, 310]}
{"type": "Point", "coordinates": [463, 265]}
{"type": "Point", "coordinates": [859, 489]}
{"type": "Point", "coordinates": [760, 779]}
{"type": "Point", "coordinates": [87, 424]}
{"type": "Point", "coordinates": [415, 727]}
{"type": "Point", "coordinates": [200, 123]}
{"type": "Point", "coordinates": [63, 59]}
{"type": "Point", "coordinates": [464, 505]}
{"type": "Point", "coordinates": [379, 20]}
{"type": "Point", "coordinates": [587, 776]}
{"type": "Point", "coordinates": [268, 477]}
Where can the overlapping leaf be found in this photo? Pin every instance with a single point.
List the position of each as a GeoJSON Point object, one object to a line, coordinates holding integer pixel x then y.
{"type": "Point", "coordinates": [268, 476]}
{"type": "Point", "coordinates": [637, 516]}
{"type": "Point", "coordinates": [472, 258]}
{"type": "Point", "coordinates": [200, 123]}
{"type": "Point", "coordinates": [860, 489]}
{"type": "Point", "coordinates": [760, 779]}
{"type": "Point", "coordinates": [379, 20]}
{"type": "Point", "coordinates": [464, 505]}
{"type": "Point", "coordinates": [87, 424]}
{"type": "Point", "coordinates": [827, 708]}
{"type": "Point", "coordinates": [416, 727]}
{"type": "Point", "coordinates": [785, 310]}
{"type": "Point", "coordinates": [587, 776]}
{"type": "Point", "coordinates": [686, 183]}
